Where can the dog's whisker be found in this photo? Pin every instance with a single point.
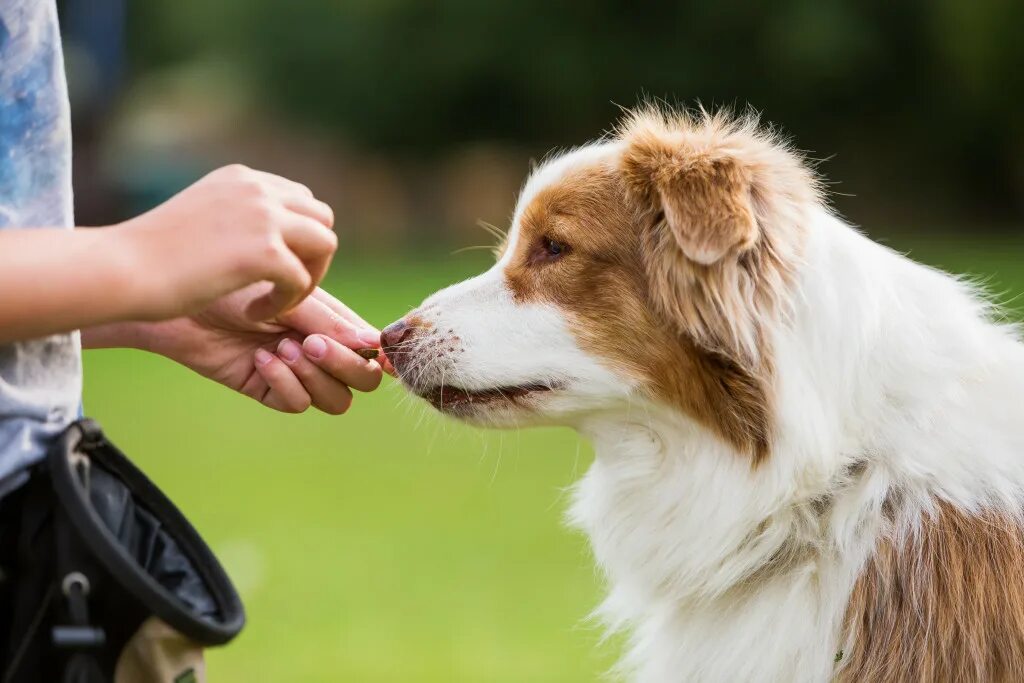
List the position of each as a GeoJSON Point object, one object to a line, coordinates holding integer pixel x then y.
{"type": "Point", "coordinates": [495, 232]}
{"type": "Point", "coordinates": [475, 247]}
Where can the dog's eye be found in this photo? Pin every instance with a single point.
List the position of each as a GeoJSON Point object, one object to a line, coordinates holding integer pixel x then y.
{"type": "Point", "coordinates": [546, 250]}
{"type": "Point", "coordinates": [554, 249]}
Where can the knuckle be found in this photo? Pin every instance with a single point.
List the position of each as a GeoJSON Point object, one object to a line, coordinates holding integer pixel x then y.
{"type": "Point", "coordinates": [234, 170]}
{"type": "Point", "coordinates": [328, 213]}
{"type": "Point", "coordinates": [371, 378]}
{"type": "Point", "coordinates": [340, 406]}
{"type": "Point", "coordinates": [271, 250]}
{"type": "Point", "coordinates": [376, 377]}
{"type": "Point", "coordinates": [263, 213]}
{"type": "Point", "coordinates": [339, 327]}
{"type": "Point", "coordinates": [303, 279]}
{"type": "Point", "coordinates": [256, 190]}
{"type": "Point", "coordinates": [331, 240]}
{"type": "Point", "coordinates": [254, 391]}
{"type": "Point", "coordinates": [299, 404]}
{"type": "Point", "coordinates": [267, 210]}
{"type": "Point", "coordinates": [325, 246]}
{"type": "Point", "coordinates": [306, 370]}
{"type": "Point", "coordinates": [262, 259]}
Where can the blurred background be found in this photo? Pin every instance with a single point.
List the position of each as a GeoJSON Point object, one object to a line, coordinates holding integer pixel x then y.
{"type": "Point", "coordinates": [388, 545]}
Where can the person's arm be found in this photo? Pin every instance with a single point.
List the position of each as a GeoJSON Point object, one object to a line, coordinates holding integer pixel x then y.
{"type": "Point", "coordinates": [55, 280]}
{"type": "Point", "coordinates": [234, 227]}
{"type": "Point", "coordinates": [221, 278]}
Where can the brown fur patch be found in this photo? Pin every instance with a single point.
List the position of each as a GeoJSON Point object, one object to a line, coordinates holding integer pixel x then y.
{"type": "Point", "coordinates": [945, 604]}
{"type": "Point", "coordinates": [603, 285]}
{"type": "Point", "coordinates": [727, 201]}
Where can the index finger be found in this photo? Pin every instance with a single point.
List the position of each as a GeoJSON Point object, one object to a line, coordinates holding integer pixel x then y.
{"type": "Point", "coordinates": [313, 243]}
{"type": "Point", "coordinates": [348, 314]}
{"type": "Point", "coordinates": [291, 280]}
{"type": "Point", "coordinates": [341, 309]}
{"type": "Point", "coordinates": [312, 316]}
{"type": "Point", "coordinates": [299, 198]}
{"type": "Point", "coordinates": [311, 207]}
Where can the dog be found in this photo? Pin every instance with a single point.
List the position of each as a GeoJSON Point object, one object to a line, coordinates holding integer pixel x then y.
{"type": "Point", "coordinates": [809, 449]}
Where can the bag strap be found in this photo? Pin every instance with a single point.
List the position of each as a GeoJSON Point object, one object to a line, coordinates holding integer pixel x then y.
{"type": "Point", "coordinates": [77, 634]}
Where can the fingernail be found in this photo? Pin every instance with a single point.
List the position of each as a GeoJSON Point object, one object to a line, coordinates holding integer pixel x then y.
{"type": "Point", "coordinates": [289, 351]}
{"type": "Point", "coordinates": [369, 337]}
{"type": "Point", "coordinates": [263, 356]}
{"type": "Point", "coordinates": [315, 346]}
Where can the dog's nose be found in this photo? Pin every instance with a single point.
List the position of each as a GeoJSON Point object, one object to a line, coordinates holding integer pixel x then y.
{"type": "Point", "coordinates": [394, 334]}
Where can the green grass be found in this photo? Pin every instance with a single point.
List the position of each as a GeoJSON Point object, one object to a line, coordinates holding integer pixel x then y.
{"type": "Point", "coordinates": [388, 545]}
{"type": "Point", "coordinates": [384, 545]}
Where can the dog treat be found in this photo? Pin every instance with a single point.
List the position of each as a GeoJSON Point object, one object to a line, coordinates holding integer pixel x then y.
{"type": "Point", "coordinates": [368, 354]}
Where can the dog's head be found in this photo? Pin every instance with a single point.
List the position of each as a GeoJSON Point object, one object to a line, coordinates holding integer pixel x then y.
{"type": "Point", "coordinates": [648, 266]}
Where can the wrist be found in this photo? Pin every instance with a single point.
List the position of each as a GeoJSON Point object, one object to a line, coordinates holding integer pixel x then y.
{"type": "Point", "coordinates": [137, 265]}
{"type": "Point", "coordinates": [173, 339]}
{"type": "Point", "coordinates": [117, 335]}
{"type": "Point", "coordinates": [121, 270]}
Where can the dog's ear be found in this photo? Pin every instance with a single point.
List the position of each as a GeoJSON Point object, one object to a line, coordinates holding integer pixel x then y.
{"type": "Point", "coordinates": [702, 189]}
{"type": "Point", "coordinates": [722, 204]}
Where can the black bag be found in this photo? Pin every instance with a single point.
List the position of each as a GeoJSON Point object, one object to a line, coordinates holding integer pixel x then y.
{"type": "Point", "coordinates": [103, 579]}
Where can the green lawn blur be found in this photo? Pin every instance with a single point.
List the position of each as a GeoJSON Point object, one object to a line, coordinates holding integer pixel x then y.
{"type": "Point", "coordinates": [390, 545]}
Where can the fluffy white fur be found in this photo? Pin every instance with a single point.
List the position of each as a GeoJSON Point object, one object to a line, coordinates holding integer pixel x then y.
{"type": "Point", "coordinates": [884, 368]}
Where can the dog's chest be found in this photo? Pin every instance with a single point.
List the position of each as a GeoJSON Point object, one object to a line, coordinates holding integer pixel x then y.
{"type": "Point", "coordinates": [654, 532]}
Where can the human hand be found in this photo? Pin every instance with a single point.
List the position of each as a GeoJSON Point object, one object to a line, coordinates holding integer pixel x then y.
{"type": "Point", "coordinates": [232, 228]}
{"type": "Point", "coordinates": [300, 358]}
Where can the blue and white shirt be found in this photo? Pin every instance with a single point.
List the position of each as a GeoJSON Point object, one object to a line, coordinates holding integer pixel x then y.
{"type": "Point", "coordinates": [40, 379]}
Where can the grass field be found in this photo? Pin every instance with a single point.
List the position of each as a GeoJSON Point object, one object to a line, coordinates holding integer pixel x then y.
{"type": "Point", "coordinates": [389, 545]}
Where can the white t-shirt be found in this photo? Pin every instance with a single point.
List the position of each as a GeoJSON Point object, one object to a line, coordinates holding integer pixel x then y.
{"type": "Point", "coordinates": [41, 379]}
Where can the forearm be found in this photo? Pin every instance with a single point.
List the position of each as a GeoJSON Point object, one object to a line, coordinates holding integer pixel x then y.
{"type": "Point", "coordinates": [59, 280]}
{"type": "Point", "coordinates": [117, 335]}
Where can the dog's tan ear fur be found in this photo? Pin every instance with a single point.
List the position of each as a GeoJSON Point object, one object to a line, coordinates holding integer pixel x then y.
{"type": "Point", "coordinates": [704, 194]}
{"type": "Point", "coordinates": [725, 204]}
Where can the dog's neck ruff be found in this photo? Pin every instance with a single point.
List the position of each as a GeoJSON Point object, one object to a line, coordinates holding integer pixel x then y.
{"type": "Point", "coordinates": [701, 573]}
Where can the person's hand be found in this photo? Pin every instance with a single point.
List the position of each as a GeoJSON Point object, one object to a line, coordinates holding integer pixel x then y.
{"type": "Point", "coordinates": [230, 229]}
{"type": "Point", "coordinates": [302, 357]}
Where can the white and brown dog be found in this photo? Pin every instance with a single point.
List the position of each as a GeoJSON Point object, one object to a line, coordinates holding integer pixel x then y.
{"type": "Point", "coordinates": [809, 449]}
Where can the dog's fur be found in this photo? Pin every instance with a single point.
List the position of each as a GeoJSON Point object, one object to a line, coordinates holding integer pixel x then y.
{"type": "Point", "coordinates": [809, 449]}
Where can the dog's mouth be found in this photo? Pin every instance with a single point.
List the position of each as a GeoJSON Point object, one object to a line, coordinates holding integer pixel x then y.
{"type": "Point", "coordinates": [448, 398]}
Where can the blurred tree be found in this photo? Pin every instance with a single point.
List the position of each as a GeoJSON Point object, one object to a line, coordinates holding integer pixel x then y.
{"type": "Point", "coordinates": [936, 87]}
